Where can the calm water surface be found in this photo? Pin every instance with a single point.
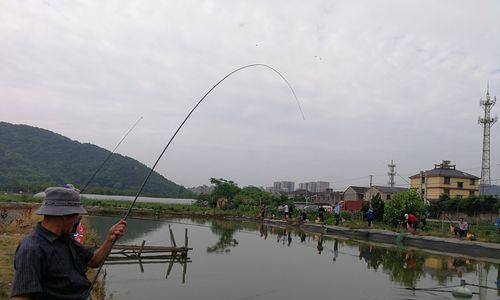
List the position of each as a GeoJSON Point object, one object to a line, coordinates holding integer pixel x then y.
{"type": "Point", "coordinates": [236, 261]}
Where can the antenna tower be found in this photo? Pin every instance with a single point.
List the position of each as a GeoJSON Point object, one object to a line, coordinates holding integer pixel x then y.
{"type": "Point", "coordinates": [392, 173]}
{"type": "Point", "coordinates": [487, 122]}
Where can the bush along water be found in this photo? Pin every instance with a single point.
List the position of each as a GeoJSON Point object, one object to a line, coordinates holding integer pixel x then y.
{"type": "Point", "coordinates": [226, 195]}
{"type": "Point", "coordinates": [402, 203]}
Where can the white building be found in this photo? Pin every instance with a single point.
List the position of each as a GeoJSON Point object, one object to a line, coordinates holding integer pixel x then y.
{"type": "Point", "coordinates": [315, 186]}
{"type": "Point", "coordinates": [284, 186]}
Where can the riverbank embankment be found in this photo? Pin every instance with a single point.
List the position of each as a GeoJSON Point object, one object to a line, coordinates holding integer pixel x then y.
{"type": "Point", "coordinates": [440, 244]}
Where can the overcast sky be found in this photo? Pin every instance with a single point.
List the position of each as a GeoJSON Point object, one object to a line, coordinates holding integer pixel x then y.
{"type": "Point", "coordinates": [377, 80]}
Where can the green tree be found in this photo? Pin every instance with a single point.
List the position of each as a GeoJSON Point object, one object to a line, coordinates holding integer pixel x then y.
{"type": "Point", "coordinates": [403, 202]}
{"type": "Point", "coordinates": [378, 207]}
{"type": "Point", "coordinates": [224, 189]}
{"type": "Point", "coordinates": [487, 203]}
{"type": "Point", "coordinates": [437, 207]}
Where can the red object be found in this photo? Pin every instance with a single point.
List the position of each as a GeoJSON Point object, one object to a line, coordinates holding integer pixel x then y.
{"type": "Point", "coordinates": [412, 219]}
{"type": "Point", "coordinates": [410, 262]}
{"type": "Point", "coordinates": [352, 205]}
{"type": "Point", "coordinates": [80, 230]}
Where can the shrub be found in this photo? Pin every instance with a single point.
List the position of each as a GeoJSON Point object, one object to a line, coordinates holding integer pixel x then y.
{"type": "Point", "coordinates": [378, 207]}
{"type": "Point", "coordinates": [344, 214]}
{"type": "Point", "coordinates": [402, 203]}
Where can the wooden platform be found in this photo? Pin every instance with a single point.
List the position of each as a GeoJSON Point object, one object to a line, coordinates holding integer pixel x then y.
{"type": "Point", "coordinates": [134, 251]}
{"type": "Point", "coordinates": [146, 254]}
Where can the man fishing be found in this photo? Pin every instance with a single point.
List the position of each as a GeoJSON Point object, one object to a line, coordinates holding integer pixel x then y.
{"type": "Point", "coordinates": [49, 263]}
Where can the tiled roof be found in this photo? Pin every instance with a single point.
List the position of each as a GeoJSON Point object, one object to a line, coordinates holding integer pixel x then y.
{"type": "Point", "coordinates": [359, 189]}
{"type": "Point", "coordinates": [389, 190]}
{"type": "Point", "coordinates": [443, 172]}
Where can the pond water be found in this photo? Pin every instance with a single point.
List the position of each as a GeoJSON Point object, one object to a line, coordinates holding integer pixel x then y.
{"type": "Point", "coordinates": [237, 260]}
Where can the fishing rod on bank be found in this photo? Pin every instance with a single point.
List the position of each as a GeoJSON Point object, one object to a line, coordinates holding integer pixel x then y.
{"type": "Point", "coordinates": [89, 291]}
{"type": "Point", "coordinates": [109, 156]}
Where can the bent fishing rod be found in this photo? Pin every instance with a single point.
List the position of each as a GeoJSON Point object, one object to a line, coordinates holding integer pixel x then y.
{"type": "Point", "coordinates": [109, 156]}
{"type": "Point", "coordinates": [151, 170]}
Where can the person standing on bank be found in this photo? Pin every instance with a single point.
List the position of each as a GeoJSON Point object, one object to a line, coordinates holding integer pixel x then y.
{"type": "Point", "coordinates": [286, 211]}
{"type": "Point", "coordinates": [336, 211]}
{"type": "Point", "coordinates": [369, 216]}
{"type": "Point", "coordinates": [49, 263]}
{"type": "Point", "coordinates": [321, 214]}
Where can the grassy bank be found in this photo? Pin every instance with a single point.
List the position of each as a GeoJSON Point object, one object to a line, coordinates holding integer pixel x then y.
{"type": "Point", "coordinates": [157, 210]}
{"type": "Point", "coordinates": [108, 206]}
{"type": "Point", "coordinates": [8, 244]}
{"type": "Point", "coordinates": [11, 233]}
{"type": "Point", "coordinates": [19, 198]}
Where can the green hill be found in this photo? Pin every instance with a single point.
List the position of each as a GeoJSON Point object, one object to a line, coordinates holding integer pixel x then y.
{"type": "Point", "coordinates": [32, 158]}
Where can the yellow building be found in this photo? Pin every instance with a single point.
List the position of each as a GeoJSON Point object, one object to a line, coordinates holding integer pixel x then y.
{"type": "Point", "coordinates": [444, 179]}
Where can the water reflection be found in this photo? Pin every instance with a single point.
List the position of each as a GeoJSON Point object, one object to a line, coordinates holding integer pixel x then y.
{"type": "Point", "coordinates": [225, 230]}
{"type": "Point", "coordinates": [320, 243]}
{"type": "Point", "coordinates": [335, 249]}
{"type": "Point", "coordinates": [306, 259]}
{"type": "Point", "coordinates": [403, 266]}
{"type": "Point", "coordinates": [263, 229]}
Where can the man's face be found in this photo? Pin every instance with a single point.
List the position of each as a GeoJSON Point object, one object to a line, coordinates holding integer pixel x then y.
{"type": "Point", "coordinates": [68, 222]}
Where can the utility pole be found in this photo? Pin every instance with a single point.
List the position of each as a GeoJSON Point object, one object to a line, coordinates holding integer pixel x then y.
{"type": "Point", "coordinates": [423, 186]}
{"type": "Point", "coordinates": [392, 173]}
{"type": "Point", "coordinates": [487, 122]}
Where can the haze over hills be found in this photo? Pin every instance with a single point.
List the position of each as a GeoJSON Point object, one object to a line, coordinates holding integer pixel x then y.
{"type": "Point", "coordinates": [35, 157]}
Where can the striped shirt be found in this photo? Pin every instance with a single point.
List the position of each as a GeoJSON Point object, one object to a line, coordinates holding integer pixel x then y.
{"type": "Point", "coordinates": [50, 266]}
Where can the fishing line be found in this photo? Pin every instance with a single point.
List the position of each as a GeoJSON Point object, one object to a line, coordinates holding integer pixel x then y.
{"type": "Point", "coordinates": [109, 156]}
{"type": "Point", "coordinates": [89, 291]}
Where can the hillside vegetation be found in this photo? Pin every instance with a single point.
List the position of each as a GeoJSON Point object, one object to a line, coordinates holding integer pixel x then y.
{"type": "Point", "coordinates": [32, 158]}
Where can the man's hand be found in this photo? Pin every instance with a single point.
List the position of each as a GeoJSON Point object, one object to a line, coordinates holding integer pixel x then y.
{"type": "Point", "coordinates": [116, 231]}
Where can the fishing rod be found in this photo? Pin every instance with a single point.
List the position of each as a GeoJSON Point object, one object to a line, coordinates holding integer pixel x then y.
{"type": "Point", "coordinates": [109, 156]}
{"type": "Point", "coordinates": [89, 291]}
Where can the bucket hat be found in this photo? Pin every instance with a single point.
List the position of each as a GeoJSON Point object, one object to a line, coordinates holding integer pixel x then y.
{"type": "Point", "coordinates": [60, 201]}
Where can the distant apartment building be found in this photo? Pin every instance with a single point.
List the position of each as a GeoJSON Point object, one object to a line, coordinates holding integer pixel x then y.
{"type": "Point", "coordinates": [284, 186]}
{"type": "Point", "coordinates": [444, 179]}
{"type": "Point", "coordinates": [315, 186]}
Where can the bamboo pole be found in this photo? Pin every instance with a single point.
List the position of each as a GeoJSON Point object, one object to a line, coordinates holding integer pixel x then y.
{"type": "Point", "coordinates": [172, 238]}
{"type": "Point", "coordinates": [139, 256]}
{"type": "Point", "coordinates": [169, 269]}
{"type": "Point", "coordinates": [184, 268]}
